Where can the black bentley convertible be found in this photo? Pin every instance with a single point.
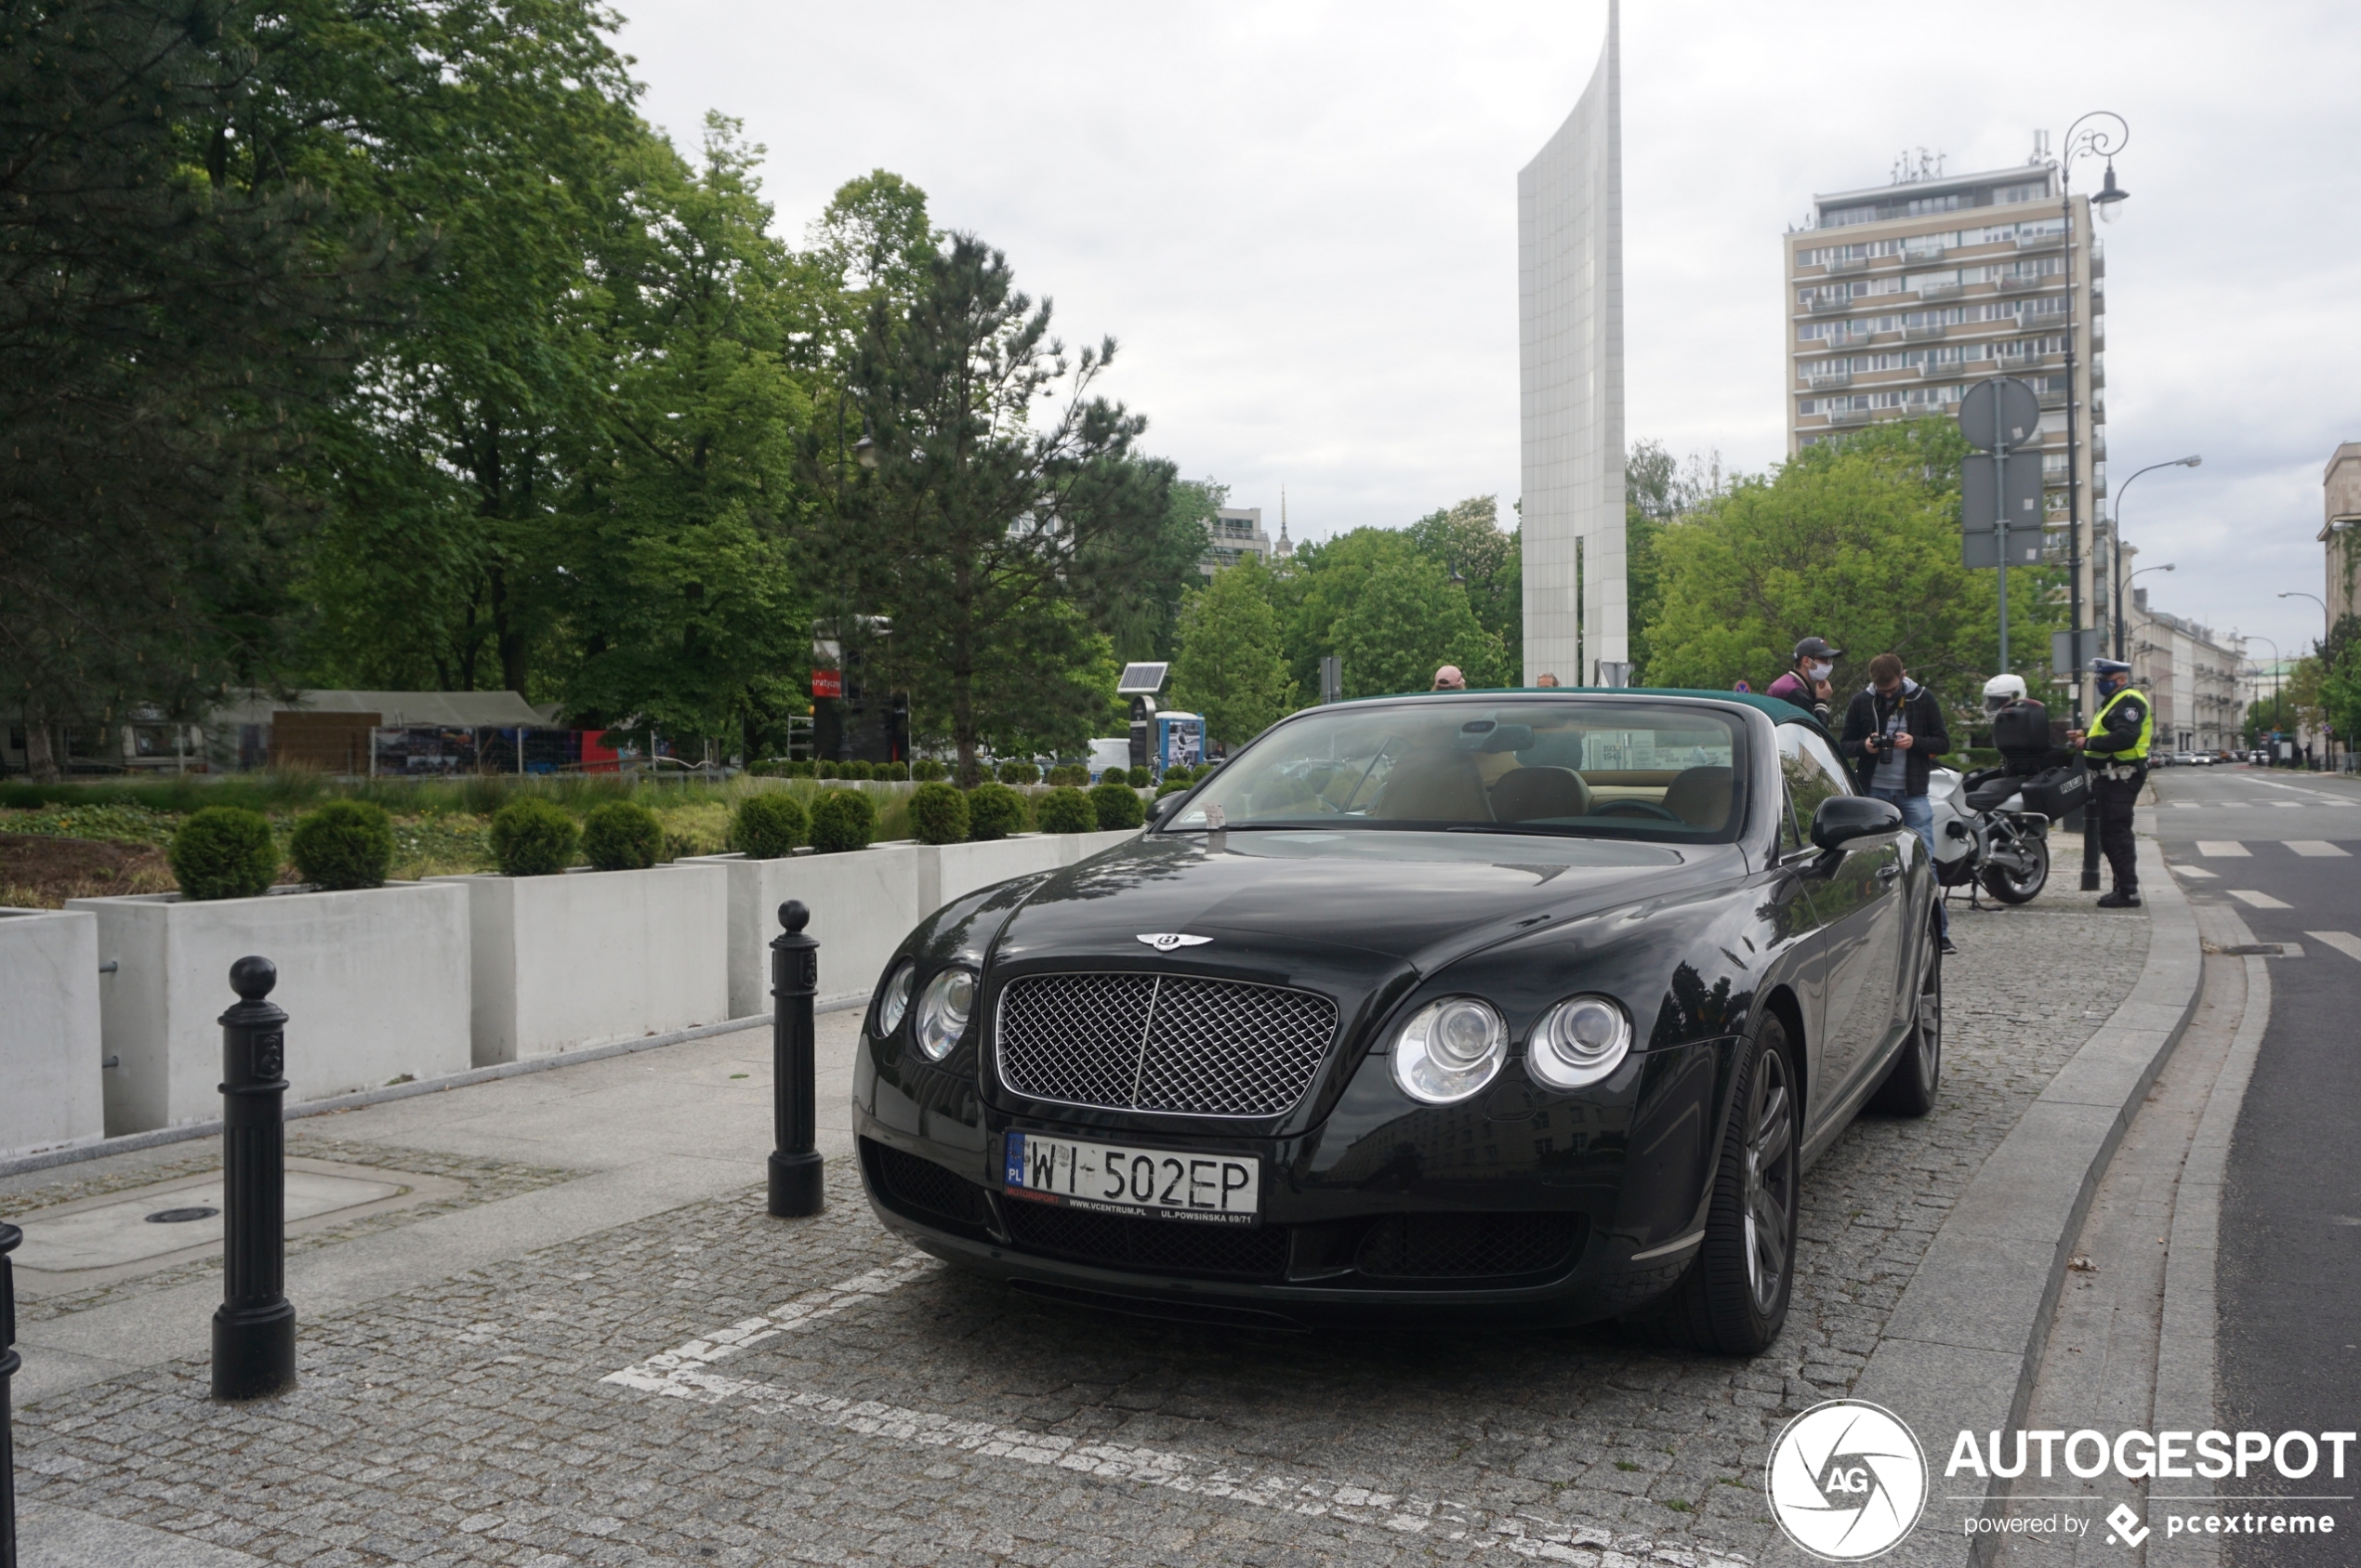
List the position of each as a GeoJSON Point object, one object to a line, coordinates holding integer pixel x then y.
{"type": "Point", "coordinates": [1534, 1004]}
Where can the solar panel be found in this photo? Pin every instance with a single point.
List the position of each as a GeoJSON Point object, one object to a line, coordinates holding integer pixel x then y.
{"type": "Point", "coordinates": [1140, 681]}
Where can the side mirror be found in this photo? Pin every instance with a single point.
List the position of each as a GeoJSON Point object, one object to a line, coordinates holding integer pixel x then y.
{"type": "Point", "coordinates": [1156, 808]}
{"type": "Point", "coordinates": [1841, 819]}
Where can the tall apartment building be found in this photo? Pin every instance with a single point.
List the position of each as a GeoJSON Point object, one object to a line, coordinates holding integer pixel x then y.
{"type": "Point", "coordinates": [1902, 296]}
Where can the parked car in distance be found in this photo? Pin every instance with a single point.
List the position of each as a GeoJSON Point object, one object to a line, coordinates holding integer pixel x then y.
{"type": "Point", "coordinates": [1532, 1006]}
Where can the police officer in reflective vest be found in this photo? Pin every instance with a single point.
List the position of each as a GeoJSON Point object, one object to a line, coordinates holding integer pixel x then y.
{"type": "Point", "coordinates": [2116, 748]}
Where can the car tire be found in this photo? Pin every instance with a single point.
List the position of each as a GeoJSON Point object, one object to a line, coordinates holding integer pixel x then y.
{"type": "Point", "coordinates": [1732, 1300]}
{"type": "Point", "coordinates": [1910, 1085]}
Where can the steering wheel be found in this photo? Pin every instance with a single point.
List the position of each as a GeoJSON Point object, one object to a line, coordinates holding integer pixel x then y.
{"type": "Point", "coordinates": [1636, 809]}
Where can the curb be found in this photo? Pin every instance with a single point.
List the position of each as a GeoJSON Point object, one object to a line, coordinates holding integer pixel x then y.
{"type": "Point", "coordinates": [131, 1141]}
{"type": "Point", "coordinates": [2187, 1386]}
{"type": "Point", "coordinates": [1965, 1342]}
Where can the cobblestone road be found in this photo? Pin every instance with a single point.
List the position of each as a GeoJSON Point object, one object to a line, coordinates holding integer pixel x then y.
{"type": "Point", "coordinates": [614, 1400]}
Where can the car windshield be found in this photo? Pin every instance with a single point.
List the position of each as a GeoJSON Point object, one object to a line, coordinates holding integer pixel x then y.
{"type": "Point", "coordinates": [1608, 768]}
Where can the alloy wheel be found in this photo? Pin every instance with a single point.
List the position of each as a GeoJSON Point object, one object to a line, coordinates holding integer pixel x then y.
{"type": "Point", "coordinates": [1769, 1200]}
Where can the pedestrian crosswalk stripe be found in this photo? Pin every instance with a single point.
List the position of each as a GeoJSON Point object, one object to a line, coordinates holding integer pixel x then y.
{"type": "Point", "coordinates": [2260, 901]}
{"type": "Point", "coordinates": [2318, 849]}
{"type": "Point", "coordinates": [2290, 805]}
{"type": "Point", "coordinates": [2343, 942]}
{"type": "Point", "coordinates": [2197, 872]}
{"type": "Point", "coordinates": [2187, 805]}
{"type": "Point", "coordinates": [2218, 847]}
{"type": "Point", "coordinates": [2233, 805]}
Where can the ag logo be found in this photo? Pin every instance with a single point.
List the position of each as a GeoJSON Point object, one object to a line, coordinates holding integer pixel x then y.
{"type": "Point", "coordinates": [1846, 1480]}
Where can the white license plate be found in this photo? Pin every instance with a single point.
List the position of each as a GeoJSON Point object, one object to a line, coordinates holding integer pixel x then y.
{"type": "Point", "coordinates": [1117, 1178]}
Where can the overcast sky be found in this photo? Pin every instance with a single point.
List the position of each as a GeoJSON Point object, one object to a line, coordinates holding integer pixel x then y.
{"type": "Point", "coordinates": [1300, 219]}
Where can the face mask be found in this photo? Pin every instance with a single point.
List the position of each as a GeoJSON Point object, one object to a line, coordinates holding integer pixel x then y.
{"type": "Point", "coordinates": [1816, 670]}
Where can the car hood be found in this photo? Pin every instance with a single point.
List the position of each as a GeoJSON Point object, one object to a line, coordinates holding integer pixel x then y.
{"type": "Point", "coordinates": [1368, 899]}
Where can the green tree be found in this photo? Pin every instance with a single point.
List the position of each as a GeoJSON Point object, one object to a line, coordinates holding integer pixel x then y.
{"type": "Point", "coordinates": [1658, 492]}
{"type": "Point", "coordinates": [1231, 665]}
{"type": "Point", "coordinates": [985, 518]}
{"type": "Point", "coordinates": [1140, 609]}
{"type": "Point", "coordinates": [1858, 541]}
{"type": "Point", "coordinates": [1467, 541]}
{"type": "Point", "coordinates": [676, 587]}
{"type": "Point", "coordinates": [2340, 680]}
{"type": "Point", "coordinates": [1389, 612]}
{"type": "Point", "coordinates": [168, 335]}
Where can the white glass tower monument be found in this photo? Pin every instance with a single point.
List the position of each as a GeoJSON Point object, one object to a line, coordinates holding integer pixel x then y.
{"type": "Point", "coordinates": [1570, 359]}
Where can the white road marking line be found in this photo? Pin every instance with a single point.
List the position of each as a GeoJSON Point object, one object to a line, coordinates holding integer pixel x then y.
{"type": "Point", "coordinates": [2318, 848]}
{"type": "Point", "coordinates": [2290, 805]}
{"type": "Point", "coordinates": [685, 1373]}
{"type": "Point", "coordinates": [2186, 805]}
{"type": "Point", "coordinates": [2218, 847]}
{"type": "Point", "coordinates": [2235, 805]}
{"type": "Point", "coordinates": [2343, 942]}
{"type": "Point", "coordinates": [795, 1316]}
{"type": "Point", "coordinates": [2260, 901]}
{"type": "Point", "coordinates": [2197, 872]}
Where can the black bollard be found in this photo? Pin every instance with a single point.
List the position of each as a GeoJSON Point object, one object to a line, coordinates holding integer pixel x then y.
{"type": "Point", "coordinates": [796, 1183]}
{"type": "Point", "coordinates": [2090, 834]}
{"type": "Point", "coordinates": [9, 1237]}
{"type": "Point", "coordinates": [253, 1330]}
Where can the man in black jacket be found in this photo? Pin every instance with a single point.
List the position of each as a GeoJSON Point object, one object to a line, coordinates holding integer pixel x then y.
{"type": "Point", "coordinates": [1893, 733]}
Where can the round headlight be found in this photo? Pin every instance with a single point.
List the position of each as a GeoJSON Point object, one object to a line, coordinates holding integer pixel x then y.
{"type": "Point", "coordinates": [1450, 1049]}
{"type": "Point", "coordinates": [1579, 1041]}
{"type": "Point", "coordinates": [893, 997]}
{"type": "Point", "coordinates": [943, 1011]}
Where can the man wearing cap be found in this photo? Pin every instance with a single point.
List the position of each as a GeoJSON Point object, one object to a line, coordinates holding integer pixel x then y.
{"type": "Point", "coordinates": [1807, 684]}
{"type": "Point", "coordinates": [2116, 749]}
{"type": "Point", "coordinates": [1449, 679]}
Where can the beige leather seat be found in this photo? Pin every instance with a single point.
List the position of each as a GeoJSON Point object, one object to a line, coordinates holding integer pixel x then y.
{"type": "Point", "coordinates": [1532, 793]}
{"type": "Point", "coordinates": [1700, 796]}
{"type": "Point", "coordinates": [1434, 787]}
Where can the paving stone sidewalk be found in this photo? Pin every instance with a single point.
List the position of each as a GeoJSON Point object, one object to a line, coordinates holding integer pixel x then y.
{"type": "Point", "coordinates": [609, 1399]}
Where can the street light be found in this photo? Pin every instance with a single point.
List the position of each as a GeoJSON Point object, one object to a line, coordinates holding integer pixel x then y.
{"type": "Point", "coordinates": [2191, 461]}
{"type": "Point", "coordinates": [2103, 139]}
{"type": "Point", "coordinates": [2324, 627]}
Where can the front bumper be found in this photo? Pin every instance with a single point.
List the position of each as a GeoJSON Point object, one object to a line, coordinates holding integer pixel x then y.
{"type": "Point", "coordinates": [1511, 1206]}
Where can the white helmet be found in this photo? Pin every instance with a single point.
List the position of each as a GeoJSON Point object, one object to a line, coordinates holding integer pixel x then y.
{"type": "Point", "coordinates": [2002, 690]}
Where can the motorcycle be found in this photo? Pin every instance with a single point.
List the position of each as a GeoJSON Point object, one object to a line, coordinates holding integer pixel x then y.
{"type": "Point", "coordinates": [1986, 836]}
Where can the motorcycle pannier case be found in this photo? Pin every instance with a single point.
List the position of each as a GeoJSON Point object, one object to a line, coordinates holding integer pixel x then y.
{"type": "Point", "coordinates": [2057, 792]}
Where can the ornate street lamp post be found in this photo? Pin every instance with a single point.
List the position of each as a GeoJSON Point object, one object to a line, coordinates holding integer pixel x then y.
{"type": "Point", "coordinates": [2102, 134]}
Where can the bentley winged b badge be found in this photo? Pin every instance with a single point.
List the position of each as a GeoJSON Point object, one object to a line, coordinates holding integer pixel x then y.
{"type": "Point", "coordinates": [1165, 942]}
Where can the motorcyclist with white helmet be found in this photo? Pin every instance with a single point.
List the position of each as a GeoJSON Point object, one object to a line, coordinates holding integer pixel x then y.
{"type": "Point", "coordinates": [2020, 727]}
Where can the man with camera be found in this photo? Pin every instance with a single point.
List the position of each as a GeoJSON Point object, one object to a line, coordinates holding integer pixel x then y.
{"type": "Point", "coordinates": [1893, 733]}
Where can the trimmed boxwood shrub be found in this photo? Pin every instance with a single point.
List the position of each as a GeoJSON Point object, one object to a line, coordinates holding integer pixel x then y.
{"type": "Point", "coordinates": [1073, 773]}
{"type": "Point", "coordinates": [1173, 785]}
{"type": "Point", "coordinates": [939, 814]}
{"type": "Point", "coordinates": [895, 771]}
{"type": "Point", "coordinates": [824, 769]}
{"type": "Point", "coordinates": [841, 819]}
{"type": "Point", "coordinates": [621, 835]}
{"type": "Point", "coordinates": [344, 844]}
{"type": "Point", "coordinates": [801, 768]}
{"type": "Point", "coordinates": [1141, 777]}
{"type": "Point", "coordinates": [224, 852]}
{"type": "Point", "coordinates": [926, 770]}
{"type": "Point", "coordinates": [1019, 773]}
{"type": "Point", "coordinates": [767, 826]}
{"type": "Point", "coordinates": [1117, 803]}
{"type": "Point", "coordinates": [532, 838]}
{"type": "Point", "coordinates": [994, 812]}
{"type": "Point", "coordinates": [1066, 809]}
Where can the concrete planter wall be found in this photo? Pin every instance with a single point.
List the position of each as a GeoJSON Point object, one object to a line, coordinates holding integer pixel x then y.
{"type": "Point", "coordinates": [863, 903]}
{"type": "Point", "coordinates": [49, 1047]}
{"type": "Point", "coordinates": [594, 957]}
{"type": "Point", "coordinates": [374, 982]}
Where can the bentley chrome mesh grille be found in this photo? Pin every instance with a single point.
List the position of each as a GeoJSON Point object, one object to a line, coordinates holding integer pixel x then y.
{"type": "Point", "coordinates": [1171, 1043]}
